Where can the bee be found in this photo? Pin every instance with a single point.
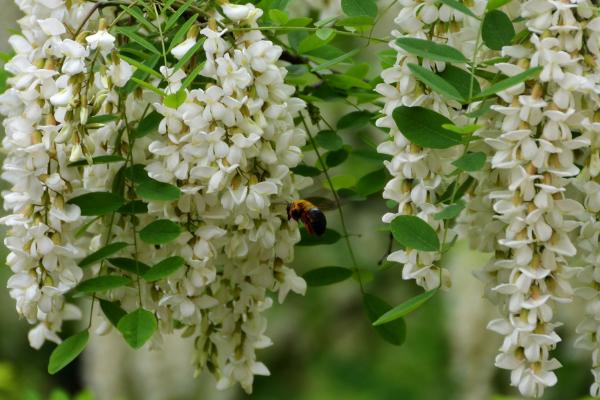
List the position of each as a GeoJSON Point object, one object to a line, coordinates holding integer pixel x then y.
{"type": "Point", "coordinates": [311, 216]}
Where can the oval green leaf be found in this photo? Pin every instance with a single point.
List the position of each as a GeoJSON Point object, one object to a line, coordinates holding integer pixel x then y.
{"type": "Point", "coordinates": [160, 232]}
{"type": "Point", "coordinates": [97, 203]}
{"type": "Point", "coordinates": [508, 83]}
{"type": "Point", "coordinates": [164, 268]}
{"type": "Point", "coordinates": [148, 125]}
{"type": "Point", "coordinates": [137, 327]}
{"type": "Point", "coordinates": [112, 311]}
{"type": "Point", "coordinates": [329, 140]}
{"type": "Point", "coordinates": [436, 82]}
{"type": "Point", "coordinates": [393, 332]}
{"type": "Point", "coordinates": [306, 170]}
{"type": "Point", "coordinates": [412, 232]}
{"type": "Point", "coordinates": [356, 8]}
{"type": "Point", "coordinates": [405, 308]}
{"type": "Point", "coordinates": [153, 190]}
{"type": "Point", "coordinates": [372, 183]}
{"type": "Point", "coordinates": [424, 127]}
{"type": "Point", "coordinates": [470, 162]}
{"type": "Point", "coordinates": [326, 276]}
{"type": "Point", "coordinates": [100, 284]}
{"type": "Point", "coordinates": [497, 30]}
{"type": "Point", "coordinates": [67, 351]}
{"type": "Point", "coordinates": [431, 50]}
{"type": "Point", "coordinates": [129, 265]}
{"type": "Point", "coordinates": [102, 253]}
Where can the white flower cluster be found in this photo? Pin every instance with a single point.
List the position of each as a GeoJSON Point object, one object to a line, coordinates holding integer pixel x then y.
{"type": "Point", "coordinates": [229, 148]}
{"type": "Point", "coordinates": [535, 151]}
{"type": "Point", "coordinates": [536, 136]}
{"type": "Point", "coordinates": [418, 173]}
{"type": "Point", "coordinates": [43, 125]}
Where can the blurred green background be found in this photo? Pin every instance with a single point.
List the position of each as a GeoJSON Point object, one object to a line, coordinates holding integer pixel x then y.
{"type": "Point", "coordinates": [324, 345]}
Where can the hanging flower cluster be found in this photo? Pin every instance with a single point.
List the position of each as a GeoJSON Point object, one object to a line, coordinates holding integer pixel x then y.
{"type": "Point", "coordinates": [188, 225]}
{"type": "Point", "coordinates": [418, 173]}
{"type": "Point", "coordinates": [537, 128]}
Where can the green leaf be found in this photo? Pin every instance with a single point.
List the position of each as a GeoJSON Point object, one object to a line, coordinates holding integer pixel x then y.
{"type": "Point", "coordinates": [67, 351]}
{"type": "Point", "coordinates": [278, 16]}
{"type": "Point", "coordinates": [163, 269]}
{"type": "Point", "coordinates": [493, 4]}
{"type": "Point", "coordinates": [137, 327]}
{"type": "Point", "coordinates": [329, 140]}
{"type": "Point", "coordinates": [461, 80]}
{"type": "Point", "coordinates": [458, 6]}
{"type": "Point", "coordinates": [356, 8]}
{"type": "Point", "coordinates": [326, 276]}
{"type": "Point", "coordinates": [112, 311]}
{"type": "Point", "coordinates": [450, 212]}
{"type": "Point", "coordinates": [337, 60]}
{"type": "Point", "coordinates": [174, 18]}
{"type": "Point", "coordinates": [341, 182]}
{"type": "Point", "coordinates": [148, 125]}
{"type": "Point", "coordinates": [148, 86]}
{"type": "Point", "coordinates": [412, 232]}
{"type": "Point", "coordinates": [107, 159]}
{"type": "Point", "coordinates": [97, 203]}
{"type": "Point", "coordinates": [153, 190]}
{"type": "Point", "coordinates": [424, 127]}
{"type": "Point", "coordinates": [135, 37]}
{"type": "Point", "coordinates": [136, 13]}
{"type": "Point", "coordinates": [102, 119]}
{"type": "Point", "coordinates": [129, 265]}
{"type": "Point", "coordinates": [160, 232]}
{"type": "Point", "coordinates": [508, 83]}
{"type": "Point", "coordinates": [356, 22]}
{"type": "Point", "coordinates": [102, 253]}
{"type": "Point", "coordinates": [497, 30]}
{"type": "Point", "coordinates": [299, 22]}
{"type": "Point", "coordinates": [306, 170]}
{"type": "Point", "coordinates": [431, 50]}
{"type": "Point", "coordinates": [312, 42]}
{"type": "Point", "coordinates": [436, 82]}
{"type": "Point", "coordinates": [372, 183]}
{"type": "Point", "coordinates": [463, 130]}
{"type": "Point", "coordinates": [470, 162]}
{"type": "Point", "coordinates": [393, 332]}
{"type": "Point", "coordinates": [175, 100]}
{"type": "Point", "coordinates": [136, 173]}
{"type": "Point", "coordinates": [346, 82]}
{"type": "Point", "coordinates": [325, 34]}
{"type": "Point", "coordinates": [448, 194]}
{"type": "Point", "coordinates": [101, 283]}
{"type": "Point", "coordinates": [192, 75]}
{"type": "Point", "coordinates": [336, 157]}
{"type": "Point", "coordinates": [405, 308]}
{"type": "Point", "coordinates": [329, 237]}
{"type": "Point", "coordinates": [134, 207]}
{"type": "Point", "coordinates": [355, 120]}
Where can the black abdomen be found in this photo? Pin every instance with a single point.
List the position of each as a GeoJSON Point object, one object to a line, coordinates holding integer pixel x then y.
{"type": "Point", "coordinates": [318, 222]}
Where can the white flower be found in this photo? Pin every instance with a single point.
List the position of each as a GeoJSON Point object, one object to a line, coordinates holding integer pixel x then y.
{"type": "Point", "coordinates": [101, 40]}
{"type": "Point", "coordinates": [181, 49]}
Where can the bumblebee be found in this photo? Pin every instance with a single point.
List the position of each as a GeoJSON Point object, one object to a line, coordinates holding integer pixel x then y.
{"type": "Point", "coordinates": [311, 216]}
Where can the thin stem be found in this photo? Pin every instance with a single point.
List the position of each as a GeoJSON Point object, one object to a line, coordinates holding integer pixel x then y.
{"type": "Point", "coordinates": [162, 38]}
{"type": "Point", "coordinates": [337, 201]}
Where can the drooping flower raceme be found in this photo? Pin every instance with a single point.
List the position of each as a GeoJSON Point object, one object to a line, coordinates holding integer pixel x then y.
{"type": "Point", "coordinates": [217, 174]}
{"type": "Point", "coordinates": [230, 146]}
{"type": "Point", "coordinates": [418, 173]}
